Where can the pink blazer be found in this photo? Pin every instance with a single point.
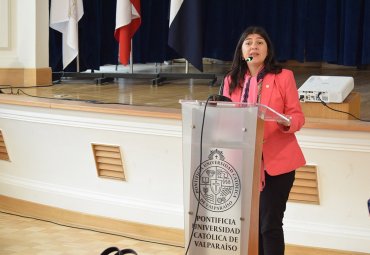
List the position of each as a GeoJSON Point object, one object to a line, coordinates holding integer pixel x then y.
{"type": "Point", "coordinates": [281, 152]}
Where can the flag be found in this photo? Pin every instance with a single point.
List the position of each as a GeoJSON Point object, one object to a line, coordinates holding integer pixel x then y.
{"type": "Point", "coordinates": [185, 34]}
{"type": "Point", "coordinates": [64, 17]}
{"type": "Point", "coordinates": [128, 20]}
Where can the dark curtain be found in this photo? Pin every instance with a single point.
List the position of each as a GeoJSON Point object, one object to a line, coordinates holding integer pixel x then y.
{"type": "Point", "coordinates": [346, 40]}
{"type": "Point", "coordinates": [333, 31]}
{"type": "Point", "coordinates": [283, 20]}
{"type": "Point", "coordinates": [365, 26]}
{"type": "Point", "coordinates": [150, 41]}
{"type": "Point", "coordinates": [97, 45]}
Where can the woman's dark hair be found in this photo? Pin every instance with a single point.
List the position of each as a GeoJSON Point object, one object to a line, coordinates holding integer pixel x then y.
{"type": "Point", "coordinates": [239, 66]}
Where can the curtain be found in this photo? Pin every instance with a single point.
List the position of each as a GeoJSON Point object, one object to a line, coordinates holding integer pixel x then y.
{"type": "Point", "coordinates": [333, 31]}
{"type": "Point", "coordinates": [346, 40]}
{"type": "Point", "coordinates": [97, 45]}
{"type": "Point", "coordinates": [150, 41]}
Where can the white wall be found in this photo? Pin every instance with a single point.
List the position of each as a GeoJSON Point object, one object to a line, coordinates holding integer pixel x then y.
{"type": "Point", "coordinates": [342, 220]}
{"type": "Point", "coordinates": [26, 43]}
{"type": "Point", "coordinates": [4, 24]}
{"type": "Point", "coordinates": [52, 163]}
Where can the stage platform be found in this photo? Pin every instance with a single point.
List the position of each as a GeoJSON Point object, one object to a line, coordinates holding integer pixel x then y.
{"type": "Point", "coordinates": [50, 135]}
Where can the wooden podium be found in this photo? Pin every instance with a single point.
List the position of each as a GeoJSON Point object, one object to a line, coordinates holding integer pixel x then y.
{"type": "Point", "coordinates": [222, 148]}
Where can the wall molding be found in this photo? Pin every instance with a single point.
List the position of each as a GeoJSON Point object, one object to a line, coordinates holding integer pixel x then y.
{"type": "Point", "coordinates": [93, 122]}
{"type": "Point", "coordinates": [327, 236]}
{"type": "Point", "coordinates": [57, 118]}
{"type": "Point", "coordinates": [334, 143]}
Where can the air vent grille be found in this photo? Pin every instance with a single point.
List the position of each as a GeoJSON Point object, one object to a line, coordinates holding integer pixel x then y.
{"type": "Point", "coordinates": [305, 187]}
{"type": "Point", "coordinates": [3, 151]}
{"type": "Point", "coordinates": [108, 161]}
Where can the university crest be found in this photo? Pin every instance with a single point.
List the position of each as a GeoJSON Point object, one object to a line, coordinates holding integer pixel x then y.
{"type": "Point", "coordinates": [217, 186]}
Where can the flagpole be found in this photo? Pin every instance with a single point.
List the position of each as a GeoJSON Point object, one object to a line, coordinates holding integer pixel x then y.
{"type": "Point", "coordinates": [131, 59]}
{"type": "Point", "coordinates": [186, 66]}
{"type": "Point", "coordinates": [78, 54]}
{"type": "Point", "coordinates": [78, 63]}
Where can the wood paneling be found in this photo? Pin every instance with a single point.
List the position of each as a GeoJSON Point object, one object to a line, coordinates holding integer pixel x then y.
{"type": "Point", "coordinates": [25, 77]}
{"type": "Point", "coordinates": [38, 76]}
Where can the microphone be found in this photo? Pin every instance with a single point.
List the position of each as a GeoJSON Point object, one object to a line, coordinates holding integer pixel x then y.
{"type": "Point", "coordinates": [249, 59]}
{"type": "Point", "coordinates": [219, 98]}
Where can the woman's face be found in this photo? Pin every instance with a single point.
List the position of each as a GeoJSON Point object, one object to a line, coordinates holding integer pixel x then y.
{"type": "Point", "coordinates": [255, 46]}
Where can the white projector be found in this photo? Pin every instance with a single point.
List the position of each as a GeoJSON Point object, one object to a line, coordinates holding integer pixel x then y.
{"type": "Point", "coordinates": [330, 89]}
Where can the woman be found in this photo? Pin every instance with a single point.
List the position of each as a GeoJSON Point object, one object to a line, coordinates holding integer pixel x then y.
{"type": "Point", "coordinates": [256, 78]}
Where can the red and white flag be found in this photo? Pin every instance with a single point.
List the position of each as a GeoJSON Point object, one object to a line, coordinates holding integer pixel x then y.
{"type": "Point", "coordinates": [128, 20]}
{"type": "Point", "coordinates": [64, 17]}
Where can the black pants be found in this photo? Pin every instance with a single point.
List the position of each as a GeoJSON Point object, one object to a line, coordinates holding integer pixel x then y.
{"type": "Point", "coordinates": [273, 200]}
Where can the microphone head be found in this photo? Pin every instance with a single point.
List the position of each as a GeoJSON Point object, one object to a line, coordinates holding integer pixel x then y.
{"type": "Point", "coordinates": [249, 59]}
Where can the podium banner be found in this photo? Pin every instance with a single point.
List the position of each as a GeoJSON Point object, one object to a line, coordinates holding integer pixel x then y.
{"type": "Point", "coordinates": [218, 187]}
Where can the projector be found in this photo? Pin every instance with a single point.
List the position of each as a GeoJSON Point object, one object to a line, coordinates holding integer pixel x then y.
{"type": "Point", "coordinates": [330, 89]}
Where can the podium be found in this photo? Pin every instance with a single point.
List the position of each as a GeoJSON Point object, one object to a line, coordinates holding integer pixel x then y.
{"type": "Point", "coordinates": [222, 151]}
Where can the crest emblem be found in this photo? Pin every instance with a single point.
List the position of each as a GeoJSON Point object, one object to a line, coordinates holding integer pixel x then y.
{"type": "Point", "coordinates": [218, 183]}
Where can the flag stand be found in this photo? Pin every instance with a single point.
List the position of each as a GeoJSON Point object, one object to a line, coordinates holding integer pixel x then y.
{"type": "Point", "coordinates": [132, 75]}
{"type": "Point", "coordinates": [105, 77]}
{"type": "Point", "coordinates": [157, 78]}
{"type": "Point", "coordinates": [204, 76]}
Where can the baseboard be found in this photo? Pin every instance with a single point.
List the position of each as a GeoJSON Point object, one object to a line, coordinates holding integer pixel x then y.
{"type": "Point", "coordinates": [25, 77]}
{"type": "Point", "coordinates": [76, 219]}
{"type": "Point", "coordinates": [353, 240]}
{"type": "Point", "coordinates": [133, 230]}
